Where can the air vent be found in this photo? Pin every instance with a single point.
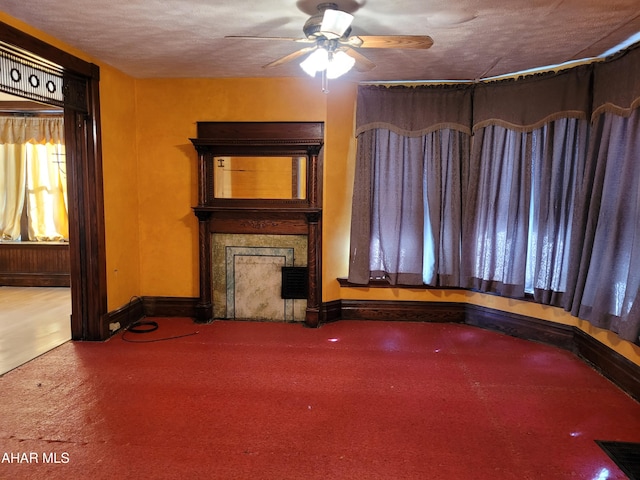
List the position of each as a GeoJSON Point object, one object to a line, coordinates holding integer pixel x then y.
{"type": "Point", "coordinates": [295, 282]}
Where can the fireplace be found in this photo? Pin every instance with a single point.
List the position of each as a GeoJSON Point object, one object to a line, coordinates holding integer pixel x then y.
{"type": "Point", "coordinates": [259, 211]}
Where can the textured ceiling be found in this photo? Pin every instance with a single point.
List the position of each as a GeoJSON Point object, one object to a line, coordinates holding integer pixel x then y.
{"type": "Point", "coordinates": [472, 38]}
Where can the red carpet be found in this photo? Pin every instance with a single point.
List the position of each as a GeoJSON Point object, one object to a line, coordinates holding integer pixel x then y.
{"type": "Point", "coordinates": [350, 400]}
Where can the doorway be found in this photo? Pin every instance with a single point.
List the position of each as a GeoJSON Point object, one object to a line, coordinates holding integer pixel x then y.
{"type": "Point", "coordinates": [44, 73]}
{"type": "Point", "coordinates": [35, 297]}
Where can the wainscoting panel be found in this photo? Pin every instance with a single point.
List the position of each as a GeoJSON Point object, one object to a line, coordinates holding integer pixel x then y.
{"type": "Point", "coordinates": [34, 264]}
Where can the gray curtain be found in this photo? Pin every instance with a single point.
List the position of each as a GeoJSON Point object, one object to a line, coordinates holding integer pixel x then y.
{"type": "Point", "coordinates": [524, 166]}
{"type": "Point", "coordinates": [536, 200]}
{"type": "Point", "coordinates": [559, 150]}
{"type": "Point", "coordinates": [605, 274]}
{"type": "Point", "coordinates": [406, 203]}
{"type": "Point", "coordinates": [496, 211]}
{"type": "Point", "coordinates": [397, 213]}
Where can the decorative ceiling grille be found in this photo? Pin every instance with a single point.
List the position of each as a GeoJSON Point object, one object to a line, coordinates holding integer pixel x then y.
{"type": "Point", "coordinates": [30, 77]}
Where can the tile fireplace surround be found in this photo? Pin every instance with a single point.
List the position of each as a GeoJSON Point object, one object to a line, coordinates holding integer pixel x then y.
{"type": "Point", "coordinates": [247, 280]}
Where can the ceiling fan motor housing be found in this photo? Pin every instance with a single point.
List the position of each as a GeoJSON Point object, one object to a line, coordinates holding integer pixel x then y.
{"type": "Point", "coordinates": [312, 27]}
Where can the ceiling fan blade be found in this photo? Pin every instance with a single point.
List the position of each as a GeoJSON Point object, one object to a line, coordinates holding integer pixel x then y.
{"type": "Point", "coordinates": [363, 64]}
{"type": "Point", "coordinates": [290, 57]}
{"type": "Point", "coordinates": [392, 41]}
{"type": "Point", "coordinates": [291, 39]}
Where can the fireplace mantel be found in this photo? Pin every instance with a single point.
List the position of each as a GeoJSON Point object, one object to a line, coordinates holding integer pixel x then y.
{"type": "Point", "coordinates": [290, 214]}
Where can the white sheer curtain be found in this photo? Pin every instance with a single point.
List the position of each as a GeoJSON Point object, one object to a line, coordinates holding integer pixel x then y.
{"type": "Point", "coordinates": [32, 159]}
{"type": "Point", "coordinates": [12, 189]}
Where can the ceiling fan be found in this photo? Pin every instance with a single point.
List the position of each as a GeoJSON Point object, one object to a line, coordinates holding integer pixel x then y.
{"type": "Point", "coordinates": [333, 49]}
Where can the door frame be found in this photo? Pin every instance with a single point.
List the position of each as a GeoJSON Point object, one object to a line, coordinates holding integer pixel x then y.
{"type": "Point", "coordinates": [84, 183]}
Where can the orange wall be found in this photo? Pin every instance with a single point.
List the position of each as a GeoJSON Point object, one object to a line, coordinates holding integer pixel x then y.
{"type": "Point", "coordinates": [167, 112]}
{"type": "Point", "coordinates": [339, 167]}
{"type": "Point", "coordinates": [120, 171]}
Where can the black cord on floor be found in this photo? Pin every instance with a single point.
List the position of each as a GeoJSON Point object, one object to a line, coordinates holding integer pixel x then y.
{"type": "Point", "coordinates": [146, 326]}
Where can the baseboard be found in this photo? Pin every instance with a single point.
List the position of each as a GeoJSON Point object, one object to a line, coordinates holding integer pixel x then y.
{"type": "Point", "coordinates": [140, 307]}
{"type": "Point", "coordinates": [620, 370]}
{"type": "Point", "coordinates": [170, 306]}
{"type": "Point", "coordinates": [331, 311]}
{"type": "Point", "coordinates": [123, 317]}
{"type": "Point", "coordinates": [521, 326]}
{"type": "Point", "coordinates": [448, 312]}
{"type": "Point", "coordinates": [35, 279]}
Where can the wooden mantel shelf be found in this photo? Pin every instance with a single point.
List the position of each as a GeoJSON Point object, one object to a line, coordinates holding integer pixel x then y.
{"type": "Point", "coordinates": [257, 209]}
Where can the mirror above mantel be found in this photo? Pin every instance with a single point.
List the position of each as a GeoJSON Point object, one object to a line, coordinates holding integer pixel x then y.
{"type": "Point", "coordinates": [259, 164]}
{"type": "Point", "coordinates": [259, 177]}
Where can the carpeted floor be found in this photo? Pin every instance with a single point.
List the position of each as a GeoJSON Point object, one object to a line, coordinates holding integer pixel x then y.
{"type": "Point", "coordinates": [350, 400]}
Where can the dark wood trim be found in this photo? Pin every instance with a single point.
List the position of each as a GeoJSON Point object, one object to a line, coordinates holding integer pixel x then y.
{"type": "Point", "coordinates": [34, 264]}
{"type": "Point", "coordinates": [28, 43]}
{"type": "Point", "coordinates": [521, 326]}
{"type": "Point", "coordinates": [124, 316]}
{"type": "Point", "coordinates": [21, 108]}
{"type": "Point", "coordinates": [204, 307]}
{"type": "Point", "coordinates": [89, 319]}
{"type": "Point", "coordinates": [35, 279]}
{"type": "Point", "coordinates": [259, 222]}
{"type": "Point", "coordinates": [170, 306]}
{"type": "Point", "coordinates": [94, 234]}
{"type": "Point", "coordinates": [331, 311]}
{"type": "Point", "coordinates": [382, 283]}
{"type": "Point", "coordinates": [620, 370]}
{"type": "Point", "coordinates": [140, 307]}
{"type": "Point", "coordinates": [86, 228]}
{"type": "Point", "coordinates": [390, 310]}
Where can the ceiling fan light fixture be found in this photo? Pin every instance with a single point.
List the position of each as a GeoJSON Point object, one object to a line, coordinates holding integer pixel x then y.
{"type": "Point", "coordinates": [316, 62]}
{"type": "Point", "coordinates": [334, 63]}
{"type": "Point", "coordinates": [335, 23]}
{"type": "Point", "coordinates": [339, 64]}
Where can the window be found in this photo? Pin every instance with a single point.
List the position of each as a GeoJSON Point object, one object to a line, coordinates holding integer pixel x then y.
{"type": "Point", "coordinates": [33, 184]}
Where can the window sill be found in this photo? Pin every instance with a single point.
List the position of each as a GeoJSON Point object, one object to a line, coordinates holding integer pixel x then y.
{"type": "Point", "coordinates": [375, 283]}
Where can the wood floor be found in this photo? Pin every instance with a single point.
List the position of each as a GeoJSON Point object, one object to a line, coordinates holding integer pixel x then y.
{"type": "Point", "coordinates": [33, 320]}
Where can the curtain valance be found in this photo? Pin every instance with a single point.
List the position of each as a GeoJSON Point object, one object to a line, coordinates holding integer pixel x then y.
{"type": "Point", "coordinates": [525, 104]}
{"type": "Point", "coordinates": [19, 130]}
{"type": "Point", "coordinates": [414, 111]}
{"type": "Point", "coordinates": [616, 84]}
